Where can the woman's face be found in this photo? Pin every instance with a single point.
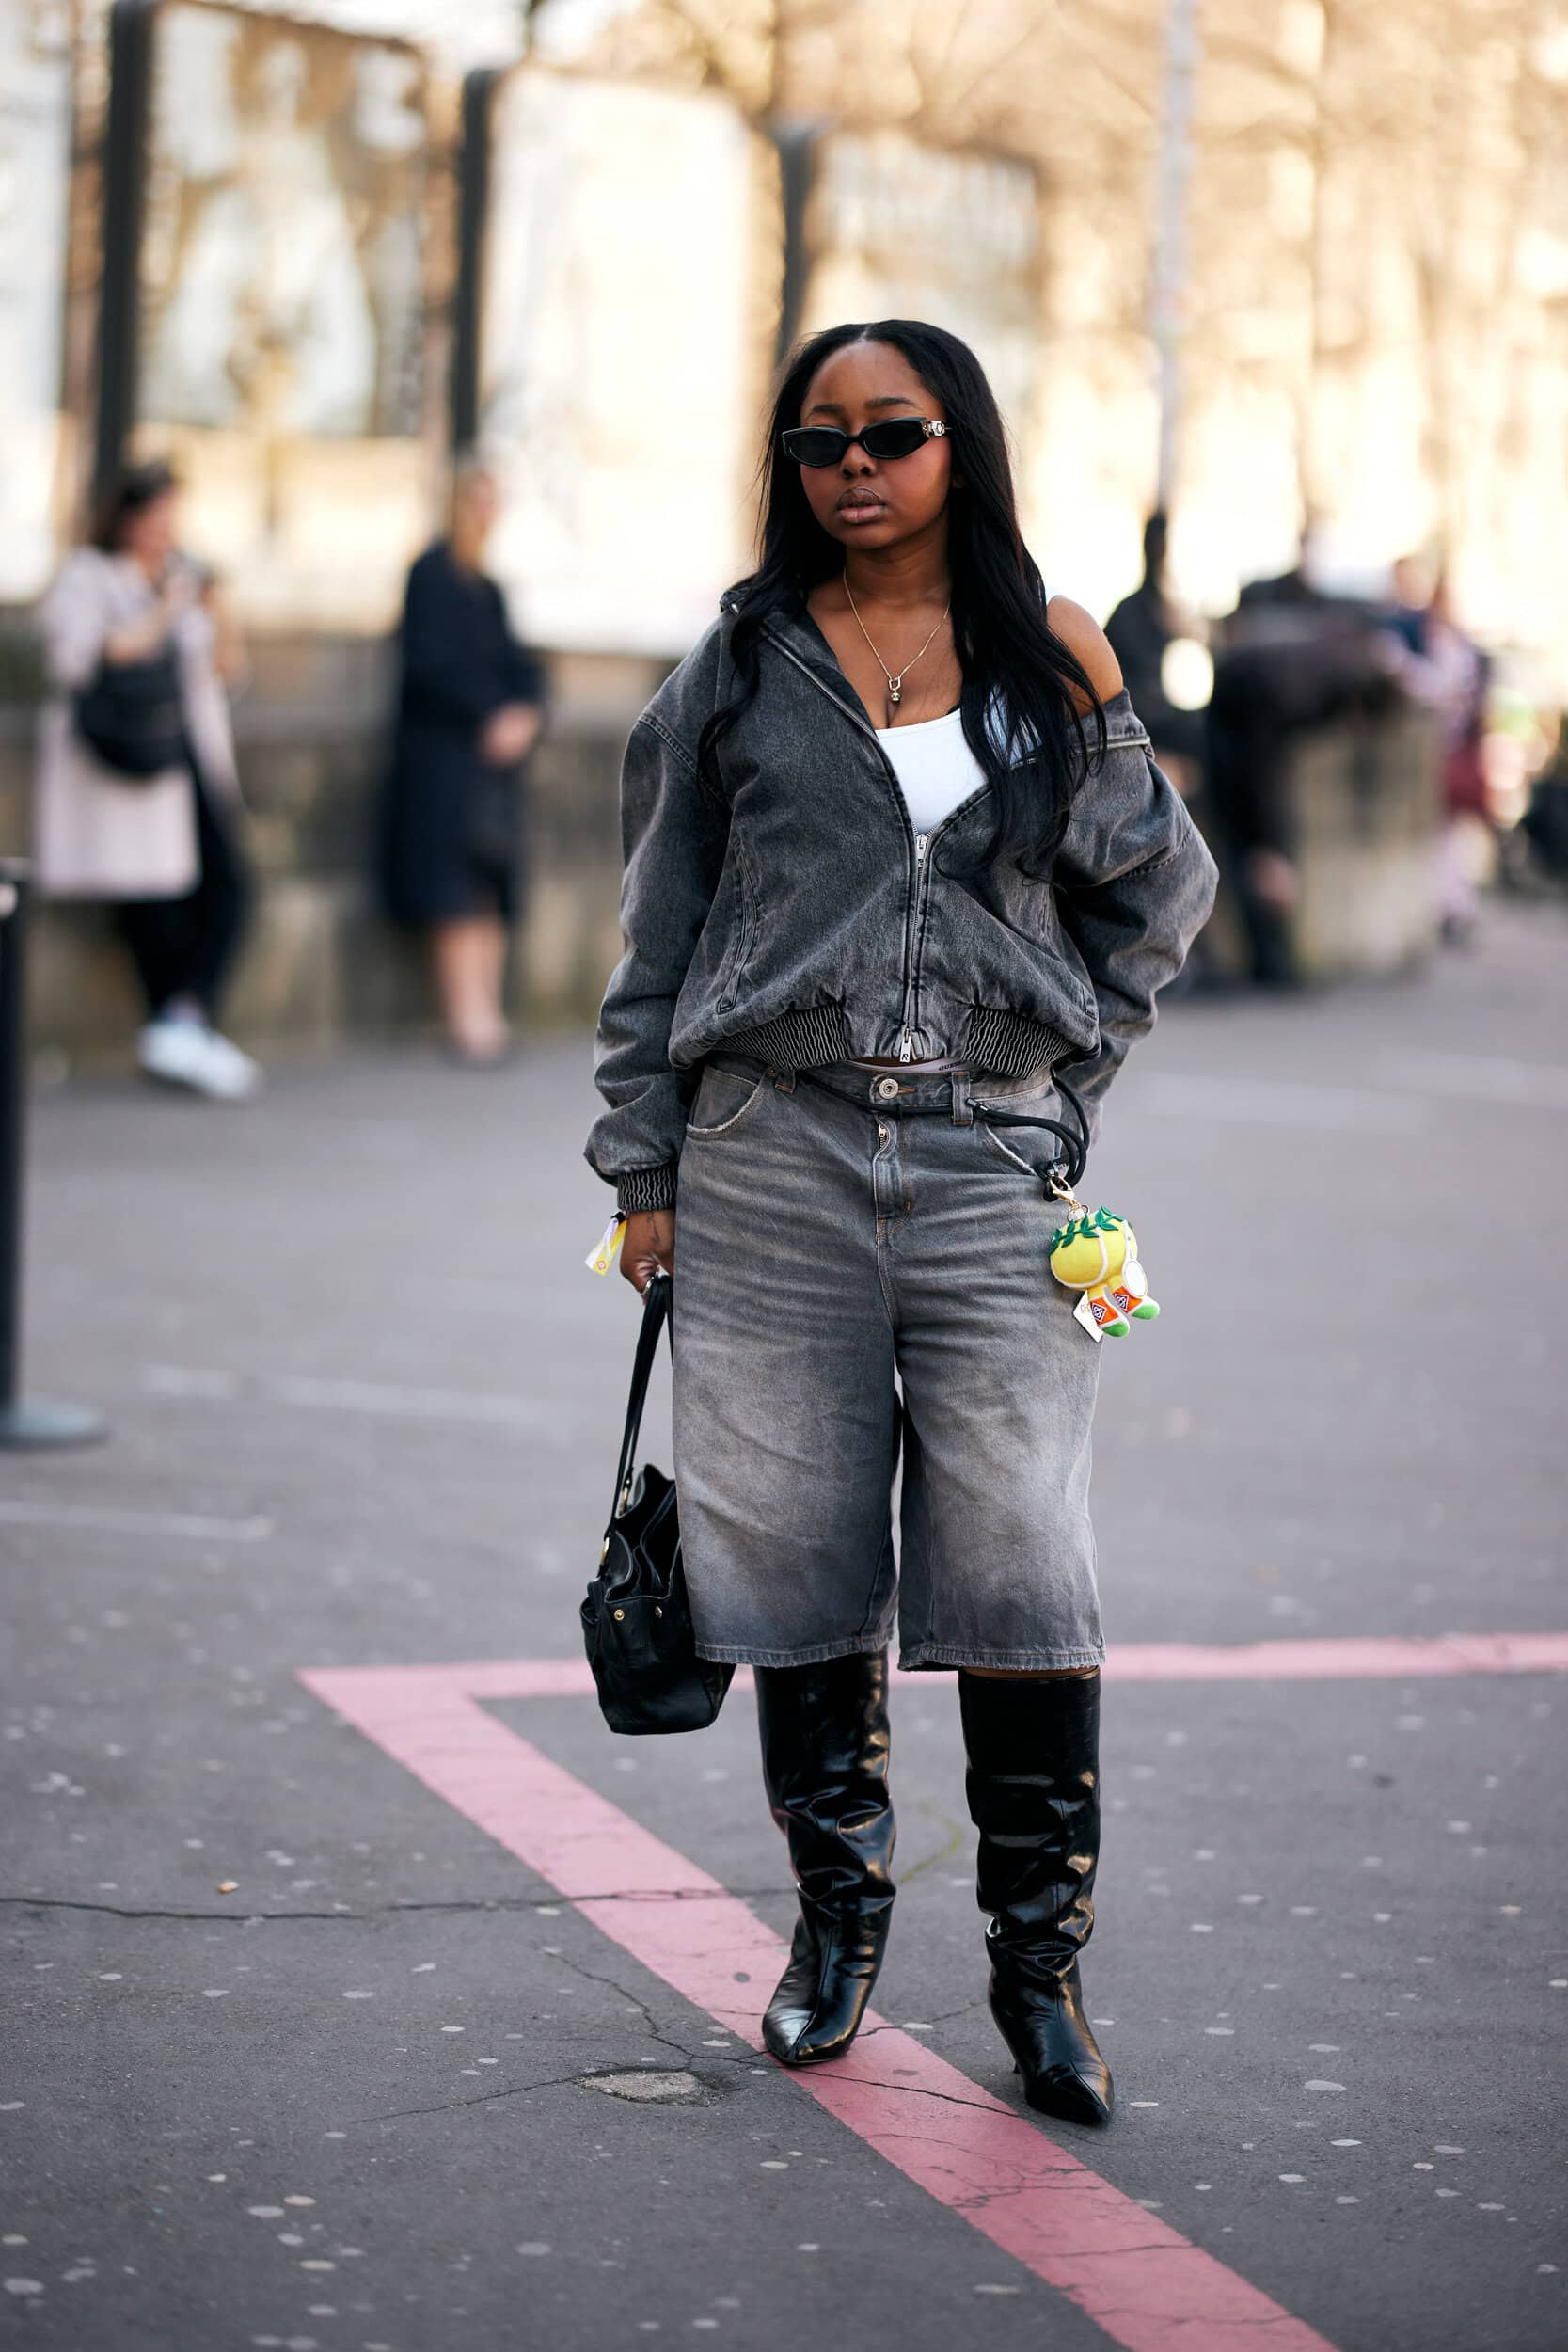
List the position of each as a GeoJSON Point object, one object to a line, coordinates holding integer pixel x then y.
{"type": "Point", "coordinates": [866, 502]}
{"type": "Point", "coordinates": [147, 532]}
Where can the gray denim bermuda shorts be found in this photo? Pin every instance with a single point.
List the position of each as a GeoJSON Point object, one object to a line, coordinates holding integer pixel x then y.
{"type": "Point", "coordinates": [860, 1260]}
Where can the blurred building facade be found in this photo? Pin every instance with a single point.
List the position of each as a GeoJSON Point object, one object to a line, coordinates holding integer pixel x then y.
{"type": "Point", "coordinates": [1369, 331]}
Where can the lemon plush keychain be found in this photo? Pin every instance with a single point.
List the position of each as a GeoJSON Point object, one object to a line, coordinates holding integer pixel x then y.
{"type": "Point", "coordinates": [1096, 1252]}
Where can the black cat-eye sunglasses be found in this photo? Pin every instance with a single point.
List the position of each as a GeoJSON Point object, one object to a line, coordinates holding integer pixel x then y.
{"type": "Point", "coordinates": [825, 445]}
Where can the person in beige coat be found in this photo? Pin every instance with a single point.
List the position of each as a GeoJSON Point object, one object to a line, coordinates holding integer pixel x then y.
{"type": "Point", "coordinates": [162, 851]}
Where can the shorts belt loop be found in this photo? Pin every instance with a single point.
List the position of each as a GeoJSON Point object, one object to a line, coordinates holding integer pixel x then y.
{"type": "Point", "coordinates": [963, 1114]}
{"type": "Point", "coordinates": [782, 1079]}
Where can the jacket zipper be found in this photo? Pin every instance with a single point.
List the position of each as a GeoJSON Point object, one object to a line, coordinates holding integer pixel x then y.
{"type": "Point", "coordinates": [905, 1040]}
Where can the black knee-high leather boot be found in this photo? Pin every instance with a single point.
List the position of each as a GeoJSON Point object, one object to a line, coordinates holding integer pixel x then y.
{"type": "Point", "coordinates": [1033, 1749]}
{"type": "Point", "coordinates": [825, 1756]}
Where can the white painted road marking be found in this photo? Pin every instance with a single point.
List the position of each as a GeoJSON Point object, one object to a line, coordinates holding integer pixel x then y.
{"type": "Point", "coordinates": [326, 1395]}
{"type": "Point", "coordinates": [110, 1521]}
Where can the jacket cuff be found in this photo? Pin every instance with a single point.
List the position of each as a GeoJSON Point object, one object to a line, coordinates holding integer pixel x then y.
{"type": "Point", "coordinates": [647, 1188]}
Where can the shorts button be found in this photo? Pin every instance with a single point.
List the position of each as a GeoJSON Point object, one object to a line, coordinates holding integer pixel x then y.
{"type": "Point", "coordinates": [887, 1089]}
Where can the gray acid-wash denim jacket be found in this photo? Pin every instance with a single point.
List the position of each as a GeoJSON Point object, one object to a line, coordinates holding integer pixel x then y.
{"type": "Point", "coordinates": [800, 918]}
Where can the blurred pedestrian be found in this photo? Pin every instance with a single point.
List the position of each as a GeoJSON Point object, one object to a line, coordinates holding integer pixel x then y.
{"type": "Point", "coordinates": [1446, 669]}
{"type": "Point", "coordinates": [1292, 657]}
{"type": "Point", "coordinates": [469, 708]}
{"type": "Point", "coordinates": [902, 884]}
{"type": "Point", "coordinates": [137, 793]}
{"type": "Point", "coordinates": [1543, 822]}
{"type": "Point", "coordinates": [1141, 631]}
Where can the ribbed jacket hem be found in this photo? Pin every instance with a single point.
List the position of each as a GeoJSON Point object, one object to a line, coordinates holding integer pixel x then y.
{"type": "Point", "coordinates": [1009, 1044]}
{"type": "Point", "coordinates": [992, 1038]}
{"type": "Point", "coordinates": [805, 1039]}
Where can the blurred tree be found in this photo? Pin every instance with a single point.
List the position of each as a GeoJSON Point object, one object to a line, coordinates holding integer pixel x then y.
{"type": "Point", "coordinates": [1374, 319]}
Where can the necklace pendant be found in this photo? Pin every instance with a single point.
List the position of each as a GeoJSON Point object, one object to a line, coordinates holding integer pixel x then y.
{"type": "Point", "coordinates": [895, 690]}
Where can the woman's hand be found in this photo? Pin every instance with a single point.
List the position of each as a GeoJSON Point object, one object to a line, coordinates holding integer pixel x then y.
{"type": "Point", "coordinates": [648, 1246]}
{"type": "Point", "coordinates": [142, 640]}
{"type": "Point", "coordinates": [507, 735]}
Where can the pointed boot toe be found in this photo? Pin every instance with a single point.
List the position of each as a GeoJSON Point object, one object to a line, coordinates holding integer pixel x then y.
{"type": "Point", "coordinates": [821, 1997]}
{"type": "Point", "coordinates": [785, 2030]}
{"type": "Point", "coordinates": [1042, 2023]}
{"type": "Point", "coordinates": [1070, 2097]}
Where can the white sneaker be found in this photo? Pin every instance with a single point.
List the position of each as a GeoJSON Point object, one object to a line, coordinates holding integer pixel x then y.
{"type": "Point", "coordinates": [188, 1054]}
{"type": "Point", "coordinates": [230, 1074]}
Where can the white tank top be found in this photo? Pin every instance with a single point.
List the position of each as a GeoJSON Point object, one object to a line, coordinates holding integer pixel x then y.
{"type": "Point", "coordinates": [935, 767]}
{"type": "Point", "coordinates": [934, 764]}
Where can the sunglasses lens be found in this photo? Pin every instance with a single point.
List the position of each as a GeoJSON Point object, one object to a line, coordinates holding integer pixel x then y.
{"type": "Point", "coordinates": [896, 436]}
{"type": "Point", "coordinates": [814, 444]}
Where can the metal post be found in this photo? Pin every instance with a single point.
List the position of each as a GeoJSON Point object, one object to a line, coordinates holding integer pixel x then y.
{"type": "Point", "coordinates": [796, 143]}
{"type": "Point", "coordinates": [473, 203]}
{"type": "Point", "coordinates": [32, 1423]}
{"type": "Point", "coordinates": [130, 30]}
{"type": "Point", "coordinates": [1167, 295]}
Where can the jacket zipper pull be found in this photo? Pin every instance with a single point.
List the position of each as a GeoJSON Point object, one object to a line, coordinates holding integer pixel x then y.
{"type": "Point", "coordinates": [906, 1047]}
{"type": "Point", "coordinates": [920, 849]}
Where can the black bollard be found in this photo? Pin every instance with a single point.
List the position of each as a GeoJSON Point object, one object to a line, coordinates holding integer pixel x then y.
{"type": "Point", "coordinates": [23, 1421]}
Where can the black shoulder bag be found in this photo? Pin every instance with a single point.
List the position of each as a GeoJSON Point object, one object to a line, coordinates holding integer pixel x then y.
{"type": "Point", "coordinates": [129, 716]}
{"type": "Point", "coordinates": [636, 1619]}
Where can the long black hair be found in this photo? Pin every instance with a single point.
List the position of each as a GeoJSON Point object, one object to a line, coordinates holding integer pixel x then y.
{"type": "Point", "coordinates": [1018, 676]}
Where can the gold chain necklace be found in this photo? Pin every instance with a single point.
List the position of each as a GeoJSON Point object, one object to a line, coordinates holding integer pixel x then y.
{"type": "Point", "coordinates": [895, 685]}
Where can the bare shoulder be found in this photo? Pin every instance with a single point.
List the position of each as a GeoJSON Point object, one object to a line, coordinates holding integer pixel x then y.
{"type": "Point", "coordinates": [1082, 634]}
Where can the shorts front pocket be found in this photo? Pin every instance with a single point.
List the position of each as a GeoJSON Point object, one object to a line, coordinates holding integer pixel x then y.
{"type": "Point", "coordinates": [1013, 1155]}
{"type": "Point", "coordinates": [724, 1101]}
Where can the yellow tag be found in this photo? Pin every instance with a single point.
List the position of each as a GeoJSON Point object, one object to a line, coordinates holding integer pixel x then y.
{"type": "Point", "coordinates": [603, 1254]}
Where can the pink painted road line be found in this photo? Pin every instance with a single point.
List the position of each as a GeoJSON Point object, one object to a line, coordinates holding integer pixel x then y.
{"type": "Point", "coordinates": [1350, 1658]}
{"type": "Point", "coordinates": [1355, 1657]}
{"type": "Point", "coordinates": [1147, 2287]}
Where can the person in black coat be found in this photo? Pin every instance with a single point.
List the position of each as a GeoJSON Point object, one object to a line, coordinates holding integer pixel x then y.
{"type": "Point", "coordinates": [1140, 629]}
{"type": "Point", "coordinates": [469, 706]}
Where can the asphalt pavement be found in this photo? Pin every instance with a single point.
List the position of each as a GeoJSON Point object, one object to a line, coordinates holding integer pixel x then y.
{"type": "Point", "coordinates": [319, 2031]}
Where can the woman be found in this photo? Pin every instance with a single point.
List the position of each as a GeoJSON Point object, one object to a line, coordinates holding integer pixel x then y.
{"type": "Point", "coordinates": [161, 849]}
{"type": "Point", "coordinates": [468, 711]}
{"type": "Point", "coordinates": [1141, 629]}
{"type": "Point", "coordinates": [896, 854]}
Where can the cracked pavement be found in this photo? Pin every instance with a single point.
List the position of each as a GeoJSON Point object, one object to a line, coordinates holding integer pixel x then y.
{"type": "Point", "coordinates": [364, 1406]}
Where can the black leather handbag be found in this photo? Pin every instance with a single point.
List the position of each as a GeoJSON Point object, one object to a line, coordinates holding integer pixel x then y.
{"type": "Point", "coordinates": [129, 716]}
{"type": "Point", "coordinates": [636, 1619]}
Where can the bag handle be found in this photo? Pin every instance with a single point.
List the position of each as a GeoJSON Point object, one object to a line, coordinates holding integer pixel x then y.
{"type": "Point", "coordinates": [658, 1310]}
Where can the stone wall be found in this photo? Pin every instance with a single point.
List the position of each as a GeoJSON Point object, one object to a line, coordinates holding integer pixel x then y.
{"type": "Point", "coordinates": [1366, 806]}
{"type": "Point", "coordinates": [1363, 812]}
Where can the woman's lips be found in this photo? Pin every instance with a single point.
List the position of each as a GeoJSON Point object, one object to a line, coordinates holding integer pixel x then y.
{"type": "Point", "coordinates": [861, 508]}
